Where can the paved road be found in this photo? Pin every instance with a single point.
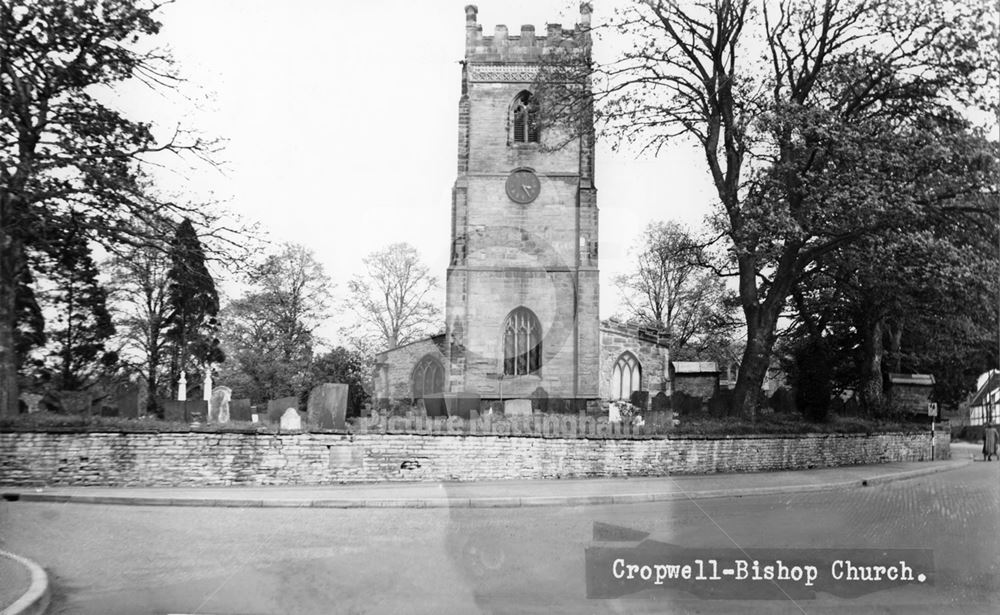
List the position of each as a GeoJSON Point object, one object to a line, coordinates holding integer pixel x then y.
{"type": "Point", "coordinates": [108, 559]}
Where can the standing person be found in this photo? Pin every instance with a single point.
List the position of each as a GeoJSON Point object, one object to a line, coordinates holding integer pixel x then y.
{"type": "Point", "coordinates": [990, 438]}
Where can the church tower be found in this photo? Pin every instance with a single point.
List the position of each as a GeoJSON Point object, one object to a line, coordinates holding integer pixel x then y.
{"type": "Point", "coordinates": [522, 285]}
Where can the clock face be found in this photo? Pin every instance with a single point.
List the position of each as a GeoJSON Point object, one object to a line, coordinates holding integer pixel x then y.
{"type": "Point", "coordinates": [523, 186]}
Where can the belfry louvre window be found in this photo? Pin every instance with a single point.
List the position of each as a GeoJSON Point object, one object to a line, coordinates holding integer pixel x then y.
{"type": "Point", "coordinates": [524, 118]}
{"type": "Point", "coordinates": [522, 343]}
{"type": "Point", "coordinates": [626, 376]}
{"type": "Point", "coordinates": [428, 377]}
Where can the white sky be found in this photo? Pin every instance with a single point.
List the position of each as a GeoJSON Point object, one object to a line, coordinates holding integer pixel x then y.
{"type": "Point", "coordinates": [341, 125]}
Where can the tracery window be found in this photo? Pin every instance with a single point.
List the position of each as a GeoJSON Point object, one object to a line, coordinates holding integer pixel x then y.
{"type": "Point", "coordinates": [522, 343]}
{"type": "Point", "coordinates": [428, 377]}
{"type": "Point", "coordinates": [524, 118]}
{"type": "Point", "coordinates": [626, 376]}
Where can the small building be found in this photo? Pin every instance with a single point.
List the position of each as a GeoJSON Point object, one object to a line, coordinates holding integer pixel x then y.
{"type": "Point", "coordinates": [911, 392]}
{"type": "Point", "coordinates": [695, 378]}
{"type": "Point", "coordinates": [984, 407]}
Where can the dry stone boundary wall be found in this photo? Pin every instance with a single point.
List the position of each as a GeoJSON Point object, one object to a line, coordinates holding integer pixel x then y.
{"type": "Point", "coordinates": [202, 459]}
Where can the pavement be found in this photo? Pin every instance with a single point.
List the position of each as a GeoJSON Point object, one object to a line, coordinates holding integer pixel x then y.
{"type": "Point", "coordinates": [494, 494]}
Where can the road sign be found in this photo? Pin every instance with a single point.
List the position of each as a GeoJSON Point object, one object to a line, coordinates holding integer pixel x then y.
{"type": "Point", "coordinates": [932, 409]}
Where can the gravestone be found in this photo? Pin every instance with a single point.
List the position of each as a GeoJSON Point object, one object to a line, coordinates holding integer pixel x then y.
{"type": "Point", "coordinates": [239, 410]}
{"type": "Point", "coordinates": [517, 407]}
{"type": "Point", "coordinates": [614, 413]}
{"type": "Point", "coordinates": [661, 402]}
{"type": "Point", "coordinates": [277, 407]}
{"type": "Point", "coordinates": [640, 399]}
{"type": "Point", "coordinates": [193, 411]}
{"type": "Point", "coordinates": [197, 410]}
{"type": "Point", "coordinates": [127, 402]}
{"type": "Point", "coordinates": [461, 404]}
{"type": "Point", "coordinates": [291, 420]}
{"type": "Point", "coordinates": [31, 401]}
{"type": "Point", "coordinates": [173, 410]}
{"type": "Point", "coordinates": [218, 405]}
{"type": "Point", "coordinates": [75, 402]}
{"type": "Point", "coordinates": [327, 407]}
{"type": "Point", "coordinates": [434, 404]}
{"type": "Point", "coordinates": [541, 398]}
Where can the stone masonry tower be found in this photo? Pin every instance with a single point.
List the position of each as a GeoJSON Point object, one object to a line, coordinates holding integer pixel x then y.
{"type": "Point", "coordinates": [522, 287]}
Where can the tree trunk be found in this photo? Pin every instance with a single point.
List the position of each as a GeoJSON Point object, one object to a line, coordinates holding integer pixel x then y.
{"type": "Point", "coordinates": [756, 358]}
{"type": "Point", "coordinates": [8, 318]}
{"type": "Point", "coordinates": [152, 365]}
{"type": "Point", "coordinates": [896, 345]}
{"type": "Point", "coordinates": [12, 261]}
{"type": "Point", "coordinates": [872, 395]}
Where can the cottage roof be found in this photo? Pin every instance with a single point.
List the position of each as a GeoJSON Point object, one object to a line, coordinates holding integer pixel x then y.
{"type": "Point", "coordinates": [919, 379]}
{"type": "Point", "coordinates": [695, 367]}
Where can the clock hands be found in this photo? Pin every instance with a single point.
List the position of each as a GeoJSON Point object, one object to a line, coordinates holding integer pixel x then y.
{"type": "Point", "coordinates": [527, 189]}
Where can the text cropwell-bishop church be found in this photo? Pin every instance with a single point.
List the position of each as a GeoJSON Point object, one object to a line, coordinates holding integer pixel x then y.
{"type": "Point", "coordinates": [522, 288]}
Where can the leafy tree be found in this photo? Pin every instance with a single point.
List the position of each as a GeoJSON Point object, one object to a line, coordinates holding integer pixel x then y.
{"type": "Point", "coordinates": [920, 299]}
{"type": "Point", "coordinates": [270, 332]}
{"type": "Point", "coordinates": [391, 298]}
{"type": "Point", "coordinates": [64, 150]}
{"type": "Point", "coordinates": [845, 124]}
{"type": "Point", "coordinates": [670, 290]}
{"type": "Point", "coordinates": [76, 351]}
{"type": "Point", "coordinates": [193, 303]}
{"type": "Point", "coordinates": [142, 311]}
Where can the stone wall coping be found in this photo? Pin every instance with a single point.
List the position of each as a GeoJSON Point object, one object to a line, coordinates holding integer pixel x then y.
{"type": "Point", "coordinates": [796, 436]}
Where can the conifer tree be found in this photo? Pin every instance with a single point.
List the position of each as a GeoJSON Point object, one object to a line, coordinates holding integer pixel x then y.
{"type": "Point", "coordinates": [77, 334]}
{"type": "Point", "coordinates": [194, 304]}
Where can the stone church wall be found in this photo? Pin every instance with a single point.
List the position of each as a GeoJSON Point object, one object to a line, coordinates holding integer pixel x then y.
{"type": "Point", "coordinates": [617, 338]}
{"type": "Point", "coordinates": [393, 376]}
{"type": "Point", "coordinates": [201, 459]}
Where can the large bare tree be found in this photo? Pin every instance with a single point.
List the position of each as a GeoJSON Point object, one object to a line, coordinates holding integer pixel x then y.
{"type": "Point", "coordinates": [141, 308]}
{"type": "Point", "coordinates": [667, 288]}
{"type": "Point", "coordinates": [392, 296]}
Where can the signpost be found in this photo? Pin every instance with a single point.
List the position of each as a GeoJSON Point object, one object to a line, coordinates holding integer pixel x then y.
{"type": "Point", "coordinates": [932, 411]}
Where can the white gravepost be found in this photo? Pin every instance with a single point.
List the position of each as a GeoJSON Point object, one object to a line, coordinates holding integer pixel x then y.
{"type": "Point", "coordinates": [182, 387]}
{"type": "Point", "coordinates": [206, 389]}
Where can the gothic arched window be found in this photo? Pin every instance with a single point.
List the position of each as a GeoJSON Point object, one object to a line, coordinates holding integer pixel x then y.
{"type": "Point", "coordinates": [626, 376]}
{"type": "Point", "coordinates": [428, 377]}
{"type": "Point", "coordinates": [522, 343]}
{"type": "Point", "coordinates": [524, 118]}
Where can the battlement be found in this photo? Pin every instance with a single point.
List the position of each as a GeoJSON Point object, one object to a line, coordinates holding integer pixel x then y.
{"type": "Point", "coordinates": [526, 46]}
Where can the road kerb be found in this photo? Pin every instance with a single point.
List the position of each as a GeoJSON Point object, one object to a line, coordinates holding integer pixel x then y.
{"type": "Point", "coordinates": [676, 492]}
{"type": "Point", "coordinates": [36, 600]}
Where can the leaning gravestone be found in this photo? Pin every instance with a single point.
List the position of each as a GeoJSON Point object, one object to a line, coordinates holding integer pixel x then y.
{"type": "Point", "coordinates": [218, 405]}
{"type": "Point", "coordinates": [291, 420]}
{"type": "Point", "coordinates": [277, 407]}
{"type": "Point", "coordinates": [327, 406]}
